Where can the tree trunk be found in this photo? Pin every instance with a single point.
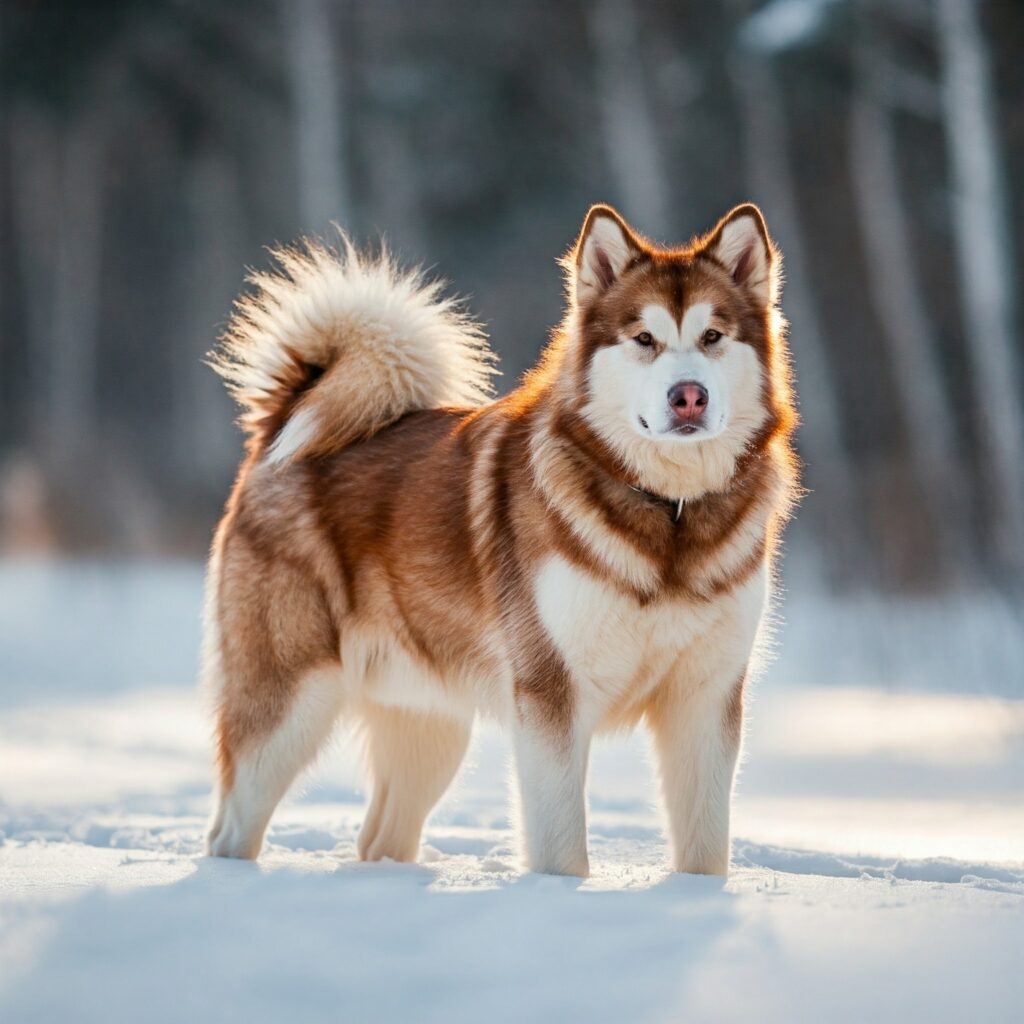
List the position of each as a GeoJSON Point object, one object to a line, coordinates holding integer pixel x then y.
{"type": "Point", "coordinates": [900, 309]}
{"type": "Point", "coordinates": [72, 369]}
{"type": "Point", "coordinates": [770, 175]}
{"type": "Point", "coordinates": [35, 177]}
{"type": "Point", "coordinates": [631, 140]}
{"type": "Point", "coordinates": [316, 89]}
{"type": "Point", "coordinates": [206, 443]}
{"type": "Point", "coordinates": [394, 191]}
{"type": "Point", "coordinates": [986, 262]}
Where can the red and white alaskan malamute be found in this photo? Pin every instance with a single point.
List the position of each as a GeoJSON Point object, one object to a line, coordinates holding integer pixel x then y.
{"type": "Point", "coordinates": [592, 550]}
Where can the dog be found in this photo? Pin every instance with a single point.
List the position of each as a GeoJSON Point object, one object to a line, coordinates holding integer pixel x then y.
{"type": "Point", "coordinates": [592, 550]}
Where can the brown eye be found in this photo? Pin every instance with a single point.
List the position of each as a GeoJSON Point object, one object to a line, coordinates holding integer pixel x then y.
{"type": "Point", "coordinates": [644, 338]}
{"type": "Point", "coordinates": [710, 337]}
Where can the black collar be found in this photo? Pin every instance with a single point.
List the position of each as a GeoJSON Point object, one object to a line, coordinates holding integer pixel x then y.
{"type": "Point", "coordinates": [675, 504]}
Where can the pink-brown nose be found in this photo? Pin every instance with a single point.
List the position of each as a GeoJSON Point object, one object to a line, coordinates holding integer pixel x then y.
{"type": "Point", "coordinates": [688, 400]}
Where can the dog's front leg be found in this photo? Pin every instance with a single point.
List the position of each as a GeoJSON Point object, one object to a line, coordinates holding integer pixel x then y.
{"type": "Point", "coordinates": [551, 760]}
{"type": "Point", "coordinates": [696, 720]}
{"type": "Point", "coordinates": [697, 731]}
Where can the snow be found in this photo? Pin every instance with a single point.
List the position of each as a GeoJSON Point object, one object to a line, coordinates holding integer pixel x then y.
{"type": "Point", "coordinates": [878, 871]}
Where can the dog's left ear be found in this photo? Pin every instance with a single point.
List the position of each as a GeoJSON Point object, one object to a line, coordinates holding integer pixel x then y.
{"type": "Point", "coordinates": [604, 249]}
{"type": "Point", "coordinates": [741, 243]}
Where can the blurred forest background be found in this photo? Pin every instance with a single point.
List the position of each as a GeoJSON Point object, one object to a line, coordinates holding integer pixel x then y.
{"type": "Point", "coordinates": [151, 149]}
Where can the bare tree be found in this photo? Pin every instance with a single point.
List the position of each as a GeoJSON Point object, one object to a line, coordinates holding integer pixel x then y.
{"type": "Point", "coordinates": [986, 261]}
{"type": "Point", "coordinates": [772, 182]}
{"type": "Point", "coordinates": [206, 444]}
{"type": "Point", "coordinates": [35, 155]}
{"type": "Point", "coordinates": [72, 372]}
{"type": "Point", "coordinates": [316, 89]}
{"type": "Point", "coordinates": [395, 190]}
{"type": "Point", "coordinates": [896, 296]}
{"type": "Point", "coordinates": [631, 141]}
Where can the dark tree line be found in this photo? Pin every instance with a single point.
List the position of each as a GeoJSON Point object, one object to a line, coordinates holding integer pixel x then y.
{"type": "Point", "coordinates": [151, 149]}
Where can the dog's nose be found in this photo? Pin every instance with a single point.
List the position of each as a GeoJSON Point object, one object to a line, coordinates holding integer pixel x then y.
{"type": "Point", "coordinates": [688, 400]}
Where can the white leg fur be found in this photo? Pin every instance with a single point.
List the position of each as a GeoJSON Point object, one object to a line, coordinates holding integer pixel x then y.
{"type": "Point", "coordinates": [552, 799]}
{"type": "Point", "coordinates": [697, 759]}
{"type": "Point", "coordinates": [413, 758]}
{"type": "Point", "coordinates": [264, 771]}
{"type": "Point", "coordinates": [697, 739]}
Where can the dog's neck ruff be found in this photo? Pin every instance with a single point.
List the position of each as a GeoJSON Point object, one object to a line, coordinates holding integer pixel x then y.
{"type": "Point", "coordinates": [673, 503]}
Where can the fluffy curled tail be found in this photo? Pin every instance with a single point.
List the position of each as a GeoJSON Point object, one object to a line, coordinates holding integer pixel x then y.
{"type": "Point", "coordinates": [333, 346]}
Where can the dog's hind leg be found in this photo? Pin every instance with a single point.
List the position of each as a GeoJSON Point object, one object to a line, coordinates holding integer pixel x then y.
{"type": "Point", "coordinates": [413, 758]}
{"type": "Point", "coordinates": [257, 765]}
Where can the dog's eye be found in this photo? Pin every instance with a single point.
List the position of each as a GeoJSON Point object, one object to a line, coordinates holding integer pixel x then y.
{"type": "Point", "coordinates": [710, 337]}
{"type": "Point", "coordinates": [644, 338]}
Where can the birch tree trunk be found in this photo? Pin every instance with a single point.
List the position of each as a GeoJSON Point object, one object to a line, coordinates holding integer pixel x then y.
{"type": "Point", "coordinates": [35, 175]}
{"type": "Point", "coordinates": [206, 443]}
{"type": "Point", "coordinates": [900, 308]}
{"type": "Point", "coordinates": [395, 191]}
{"type": "Point", "coordinates": [631, 140]}
{"type": "Point", "coordinates": [986, 261]}
{"type": "Point", "coordinates": [72, 372]}
{"type": "Point", "coordinates": [317, 111]}
{"type": "Point", "coordinates": [771, 180]}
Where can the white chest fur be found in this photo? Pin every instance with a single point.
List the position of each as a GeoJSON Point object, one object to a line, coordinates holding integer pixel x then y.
{"type": "Point", "coordinates": [618, 649]}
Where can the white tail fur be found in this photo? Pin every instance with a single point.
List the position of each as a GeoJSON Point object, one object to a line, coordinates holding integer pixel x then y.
{"type": "Point", "coordinates": [335, 345]}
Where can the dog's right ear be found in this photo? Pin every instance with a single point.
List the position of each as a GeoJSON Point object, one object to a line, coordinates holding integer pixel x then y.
{"type": "Point", "coordinates": [605, 248]}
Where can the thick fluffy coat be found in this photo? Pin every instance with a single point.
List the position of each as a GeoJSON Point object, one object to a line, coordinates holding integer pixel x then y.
{"type": "Point", "coordinates": [591, 551]}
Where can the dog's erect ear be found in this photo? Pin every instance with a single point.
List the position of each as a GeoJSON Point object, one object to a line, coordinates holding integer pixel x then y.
{"type": "Point", "coordinates": [741, 243]}
{"type": "Point", "coordinates": [604, 249]}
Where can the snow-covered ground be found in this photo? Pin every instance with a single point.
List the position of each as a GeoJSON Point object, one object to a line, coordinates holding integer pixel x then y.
{"type": "Point", "coordinates": [879, 851]}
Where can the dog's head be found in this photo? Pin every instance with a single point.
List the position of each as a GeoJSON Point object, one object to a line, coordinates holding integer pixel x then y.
{"type": "Point", "coordinates": [673, 346]}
